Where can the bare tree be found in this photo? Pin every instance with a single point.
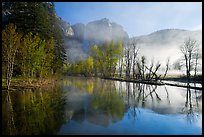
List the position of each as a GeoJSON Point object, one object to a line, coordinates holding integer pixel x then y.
{"type": "Point", "coordinates": [150, 70]}
{"type": "Point", "coordinates": [135, 53]}
{"type": "Point", "coordinates": [197, 56]}
{"type": "Point", "coordinates": [167, 68]}
{"type": "Point", "coordinates": [139, 70]}
{"type": "Point", "coordinates": [120, 65]}
{"type": "Point", "coordinates": [153, 73]}
{"type": "Point", "coordinates": [143, 60]}
{"type": "Point", "coordinates": [128, 59]}
{"type": "Point", "coordinates": [188, 50]}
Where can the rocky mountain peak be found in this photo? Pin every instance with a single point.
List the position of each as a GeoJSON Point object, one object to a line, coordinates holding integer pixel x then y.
{"type": "Point", "coordinates": [66, 28]}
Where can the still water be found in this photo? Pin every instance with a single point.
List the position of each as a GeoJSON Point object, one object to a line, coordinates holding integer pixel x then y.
{"type": "Point", "coordinates": [94, 106]}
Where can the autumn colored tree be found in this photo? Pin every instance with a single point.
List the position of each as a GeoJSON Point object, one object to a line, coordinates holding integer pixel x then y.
{"type": "Point", "coordinates": [88, 66]}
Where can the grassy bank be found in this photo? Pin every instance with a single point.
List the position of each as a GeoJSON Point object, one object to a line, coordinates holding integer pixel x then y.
{"type": "Point", "coordinates": [19, 82]}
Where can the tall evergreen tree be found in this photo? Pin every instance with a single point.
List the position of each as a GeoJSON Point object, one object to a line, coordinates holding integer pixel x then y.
{"type": "Point", "coordinates": [31, 17]}
{"type": "Point", "coordinates": [41, 18]}
{"type": "Point", "coordinates": [60, 53]}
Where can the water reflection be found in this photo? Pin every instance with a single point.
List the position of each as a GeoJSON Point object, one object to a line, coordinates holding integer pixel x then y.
{"type": "Point", "coordinates": [189, 108]}
{"type": "Point", "coordinates": [32, 112]}
{"type": "Point", "coordinates": [95, 106]}
{"type": "Point", "coordinates": [100, 105]}
{"type": "Point", "coordinates": [107, 101]}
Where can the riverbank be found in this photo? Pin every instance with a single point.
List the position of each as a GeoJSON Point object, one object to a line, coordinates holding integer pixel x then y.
{"type": "Point", "coordinates": [184, 79]}
{"type": "Point", "coordinates": [136, 81]}
{"type": "Point", "coordinates": [169, 80]}
{"type": "Point", "coordinates": [158, 82]}
{"type": "Point", "coordinates": [30, 83]}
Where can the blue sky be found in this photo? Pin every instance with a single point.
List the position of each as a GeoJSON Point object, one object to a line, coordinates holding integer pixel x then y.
{"type": "Point", "coordinates": [137, 18]}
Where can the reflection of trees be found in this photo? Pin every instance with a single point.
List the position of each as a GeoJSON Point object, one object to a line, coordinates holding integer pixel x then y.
{"type": "Point", "coordinates": [86, 84]}
{"type": "Point", "coordinates": [133, 111]}
{"type": "Point", "coordinates": [101, 105]}
{"type": "Point", "coordinates": [139, 95]}
{"type": "Point", "coordinates": [9, 124]}
{"type": "Point", "coordinates": [167, 95]}
{"type": "Point", "coordinates": [189, 108]}
{"type": "Point", "coordinates": [33, 112]}
{"type": "Point", "coordinates": [105, 104]}
{"type": "Point", "coordinates": [143, 95]}
{"type": "Point", "coordinates": [106, 99]}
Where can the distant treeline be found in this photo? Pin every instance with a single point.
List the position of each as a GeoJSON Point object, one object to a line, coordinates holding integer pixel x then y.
{"type": "Point", "coordinates": [116, 59]}
{"type": "Point", "coordinates": [124, 60]}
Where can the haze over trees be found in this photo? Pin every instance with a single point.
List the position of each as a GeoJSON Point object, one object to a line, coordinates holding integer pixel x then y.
{"type": "Point", "coordinates": [33, 47]}
{"type": "Point", "coordinates": [120, 60]}
{"type": "Point", "coordinates": [191, 55]}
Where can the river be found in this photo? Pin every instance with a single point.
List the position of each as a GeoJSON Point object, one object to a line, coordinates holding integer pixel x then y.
{"type": "Point", "coordinates": [78, 105]}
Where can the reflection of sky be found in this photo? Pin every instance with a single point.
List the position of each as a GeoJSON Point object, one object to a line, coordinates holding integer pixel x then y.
{"type": "Point", "coordinates": [163, 117]}
{"type": "Point", "coordinates": [147, 122]}
{"type": "Point", "coordinates": [176, 97]}
{"type": "Point", "coordinates": [199, 121]}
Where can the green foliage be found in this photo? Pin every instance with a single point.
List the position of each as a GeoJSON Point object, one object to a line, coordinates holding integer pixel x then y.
{"type": "Point", "coordinates": [60, 52]}
{"type": "Point", "coordinates": [32, 53]}
{"type": "Point", "coordinates": [36, 56]}
{"type": "Point", "coordinates": [103, 60]}
{"type": "Point", "coordinates": [49, 58]}
{"type": "Point", "coordinates": [29, 113]}
{"type": "Point", "coordinates": [39, 18]}
{"type": "Point", "coordinates": [10, 45]}
{"type": "Point", "coordinates": [109, 102]}
{"type": "Point", "coordinates": [31, 17]}
{"type": "Point", "coordinates": [88, 66]}
{"type": "Point", "coordinates": [106, 57]}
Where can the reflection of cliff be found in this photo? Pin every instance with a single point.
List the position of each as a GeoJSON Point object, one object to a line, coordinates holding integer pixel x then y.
{"type": "Point", "coordinates": [33, 112]}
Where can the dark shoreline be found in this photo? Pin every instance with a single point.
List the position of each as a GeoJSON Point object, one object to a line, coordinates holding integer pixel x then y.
{"type": "Point", "coordinates": [179, 79]}
{"type": "Point", "coordinates": [32, 83]}
{"type": "Point", "coordinates": [154, 83]}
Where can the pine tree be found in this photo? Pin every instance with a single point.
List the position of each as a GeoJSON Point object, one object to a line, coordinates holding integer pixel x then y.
{"type": "Point", "coordinates": [39, 18]}
{"type": "Point", "coordinates": [60, 52]}
{"type": "Point", "coordinates": [31, 17]}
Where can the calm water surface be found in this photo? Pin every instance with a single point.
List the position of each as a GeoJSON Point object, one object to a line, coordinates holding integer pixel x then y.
{"type": "Point", "coordinates": [94, 106]}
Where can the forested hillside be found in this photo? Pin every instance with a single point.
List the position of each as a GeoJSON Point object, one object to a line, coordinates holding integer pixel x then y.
{"type": "Point", "coordinates": [32, 41]}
